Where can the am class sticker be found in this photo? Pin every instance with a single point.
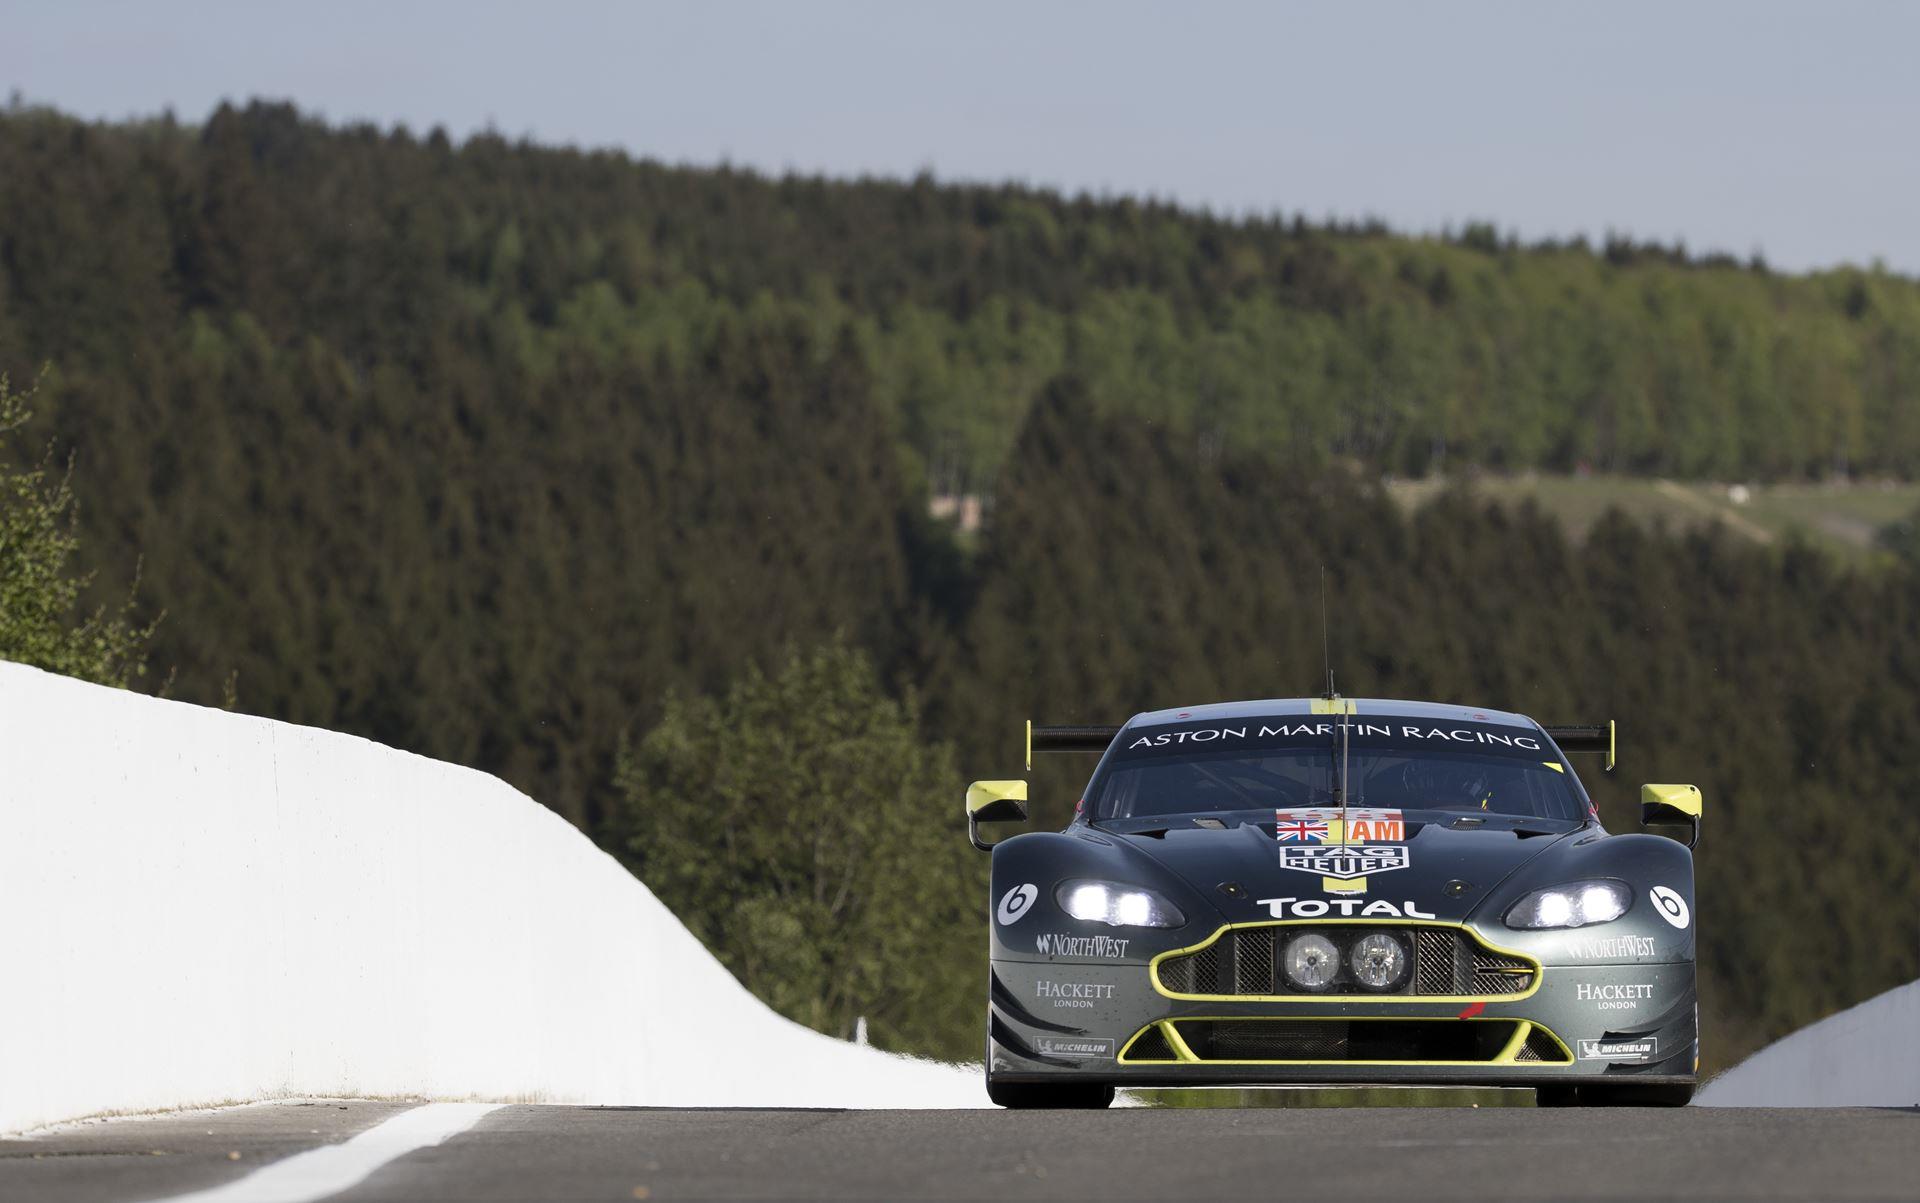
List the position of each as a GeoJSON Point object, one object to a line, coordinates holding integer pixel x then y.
{"type": "Point", "coordinates": [1016, 902]}
{"type": "Point", "coordinates": [1671, 906]}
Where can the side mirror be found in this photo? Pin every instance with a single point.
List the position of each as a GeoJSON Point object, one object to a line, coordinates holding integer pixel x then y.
{"type": "Point", "coordinates": [1671, 804]}
{"type": "Point", "coordinates": [994, 802]}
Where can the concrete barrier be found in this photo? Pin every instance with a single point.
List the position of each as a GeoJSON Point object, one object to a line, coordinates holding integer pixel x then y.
{"type": "Point", "coordinates": [1865, 1056]}
{"type": "Point", "coordinates": [203, 907]}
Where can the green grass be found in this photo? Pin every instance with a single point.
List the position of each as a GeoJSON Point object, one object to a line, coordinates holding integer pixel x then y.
{"type": "Point", "coordinates": [1842, 518]}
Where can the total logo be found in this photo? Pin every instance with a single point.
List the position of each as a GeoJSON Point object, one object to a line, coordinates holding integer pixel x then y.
{"type": "Point", "coordinates": [1670, 906]}
{"type": "Point", "coordinates": [1015, 903]}
{"type": "Point", "coordinates": [1319, 908]}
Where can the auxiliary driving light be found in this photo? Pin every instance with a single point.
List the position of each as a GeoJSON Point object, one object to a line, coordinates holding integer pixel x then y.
{"type": "Point", "coordinates": [1378, 961]}
{"type": "Point", "coordinates": [1310, 962]}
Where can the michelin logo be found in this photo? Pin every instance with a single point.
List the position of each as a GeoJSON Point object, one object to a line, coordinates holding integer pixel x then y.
{"type": "Point", "coordinates": [1619, 1050]}
{"type": "Point", "coordinates": [1056, 1046]}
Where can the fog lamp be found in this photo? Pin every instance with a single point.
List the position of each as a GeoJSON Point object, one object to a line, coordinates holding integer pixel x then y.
{"type": "Point", "coordinates": [1310, 962]}
{"type": "Point", "coordinates": [1378, 961]}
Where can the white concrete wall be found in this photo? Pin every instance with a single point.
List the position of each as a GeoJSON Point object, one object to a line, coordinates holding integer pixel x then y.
{"type": "Point", "coordinates": [1866, 1056]}
{"type": "Point", "coordinates": [201, 907]}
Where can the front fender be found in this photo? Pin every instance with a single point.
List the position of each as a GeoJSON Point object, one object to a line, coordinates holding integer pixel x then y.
{"type": "Point", "coordinates": [1025, 922]}
{"type": "Point", "coordinates": [1658, 927]}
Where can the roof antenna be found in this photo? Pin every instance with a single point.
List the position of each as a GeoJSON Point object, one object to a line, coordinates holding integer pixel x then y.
{"type": "Point", "coordinates": [1326, 640]}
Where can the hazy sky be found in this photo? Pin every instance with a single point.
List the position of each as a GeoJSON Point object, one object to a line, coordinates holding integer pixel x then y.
{"type": "Point", "coordinates": [1791, 129]}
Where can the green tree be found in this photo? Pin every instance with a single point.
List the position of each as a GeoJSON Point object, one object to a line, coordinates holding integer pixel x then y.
{"type": "Point", "coordinates": [42, 622]}
{"type": "Point", "coordinates": [804, 829]}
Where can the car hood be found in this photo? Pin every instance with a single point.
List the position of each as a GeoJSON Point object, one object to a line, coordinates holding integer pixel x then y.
{"type": "Point", "coordinates": [1448, 870]}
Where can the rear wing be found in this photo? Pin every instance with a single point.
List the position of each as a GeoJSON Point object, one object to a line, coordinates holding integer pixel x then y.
{"type": "Point", "coordinates": [1067, 739]}
{"type": "Point", "coordinates": [1573, 740]}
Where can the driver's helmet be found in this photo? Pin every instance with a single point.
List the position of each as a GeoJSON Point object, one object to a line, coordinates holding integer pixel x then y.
{"type": "Point", "coordinates": [1446, 784]}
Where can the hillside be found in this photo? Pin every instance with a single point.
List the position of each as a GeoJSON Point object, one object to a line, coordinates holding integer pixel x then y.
{"type": "Point", "coordinates": [1848, 519]}
{"type": "Point", "coordinates": [501, 453]}
{"type": "Point", "coordinates": [130, 247]}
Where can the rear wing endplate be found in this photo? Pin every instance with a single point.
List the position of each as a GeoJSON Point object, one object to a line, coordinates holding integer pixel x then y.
{"type": "Point", "coordinates": [1598, 740]}
{"type": "Point", "coordinates": [1067, 739]}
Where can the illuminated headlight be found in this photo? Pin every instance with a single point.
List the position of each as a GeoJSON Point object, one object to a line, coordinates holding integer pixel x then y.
{"type": "Point", "coordinates": [1116, 905]}
{"type": "Point", "coordinates": [1310, 962]}
{"type": "Point", "coordinates": [1576, 904]}
{"type": "Point", "coordinates": [1378, 961]}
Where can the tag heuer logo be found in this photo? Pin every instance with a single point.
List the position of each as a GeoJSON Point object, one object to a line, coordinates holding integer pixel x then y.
{"type": "Point", "coordinates": [1343, 860]}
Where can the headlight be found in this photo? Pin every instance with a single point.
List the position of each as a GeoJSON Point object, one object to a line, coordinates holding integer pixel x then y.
{"type": "Point", "coordinates": [1116, 905]}
{"type": "Point", "coordinates": [1378, 961]}
{"type": "Point", "coordinates": [1310, 962]}
{"type": "Point", "coordinates": [1576, 904]}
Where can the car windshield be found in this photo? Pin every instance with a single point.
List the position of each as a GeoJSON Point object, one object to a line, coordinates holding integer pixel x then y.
{"type": "Point", "coordinates": [1290, 762]}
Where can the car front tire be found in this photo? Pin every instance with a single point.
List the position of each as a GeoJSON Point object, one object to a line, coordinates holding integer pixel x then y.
{"type": "Point", "coordinates": [1048, 1096]}
{"type": "Point", "coordinates": [1614, 1094]}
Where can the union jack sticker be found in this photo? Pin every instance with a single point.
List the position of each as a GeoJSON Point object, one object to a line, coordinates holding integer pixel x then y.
{"type": "Point", "coordinates": [1301, 828]}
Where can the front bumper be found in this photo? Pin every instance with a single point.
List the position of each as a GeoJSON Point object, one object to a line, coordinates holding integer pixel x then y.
{"type": "Point", "coordinates": [1138, 1024]}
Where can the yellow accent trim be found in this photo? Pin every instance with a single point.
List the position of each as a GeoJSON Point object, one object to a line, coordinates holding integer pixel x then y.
{"type": "Point", "coordinates": [1554, 765]}
{"type": "Point", "coordinates": [1519, 1041]}
{"type": "Point", "coordinates": [1137, 1036]}
{"type": "Point", "coordinates": [1683, 798]}
{"type": "Point", "coordinates": [1029, 745]}
{"type": "Point", "coordinates": [1508, 1055]}
{"type": "Point", "coordinates": [982, 793]}
{"type": "Point", "coordinates": [1334, 706]}
{"type": "Point", "coordinates": [1610, 745]}
{"type": "Point", "coordinates": [1333, 885]}
{"type": "Point", "coordinates": [1181, 1049]}
{"type": "Point", "coordinates": [1153, 967]}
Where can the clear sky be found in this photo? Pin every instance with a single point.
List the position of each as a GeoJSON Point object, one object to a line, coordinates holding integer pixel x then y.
{"type": "Point", "coordinates": [1792, 129]}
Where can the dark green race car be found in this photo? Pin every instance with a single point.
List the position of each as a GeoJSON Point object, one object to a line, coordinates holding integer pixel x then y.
{"type": "Point", "coordinates": [1339, 891]}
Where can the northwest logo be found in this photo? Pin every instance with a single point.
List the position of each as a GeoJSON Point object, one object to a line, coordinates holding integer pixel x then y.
{"type": "Point", "coordinates": [1055, 945]}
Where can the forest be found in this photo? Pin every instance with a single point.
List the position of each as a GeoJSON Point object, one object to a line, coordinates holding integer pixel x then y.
{"type": "Point", "coordinates": [613, 478]}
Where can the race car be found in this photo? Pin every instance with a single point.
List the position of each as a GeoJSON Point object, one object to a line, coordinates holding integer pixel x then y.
{"type": "Point", "coordinates": [1339, 891]}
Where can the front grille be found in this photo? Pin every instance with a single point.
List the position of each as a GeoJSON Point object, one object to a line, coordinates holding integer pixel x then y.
{"type": "Point", "coordinates": [1244, 962]}
{"type": "Point", "coordinates": [1390, 1040]}
{"type": "Point", "coordinates": [1152, 1046]}
{"type": "Point", "coordinates": [1253, 962]}
{"type": "Point", "coordinates": [1541, 1046]}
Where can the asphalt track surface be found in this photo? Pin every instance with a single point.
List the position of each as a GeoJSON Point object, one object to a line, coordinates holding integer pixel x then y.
{"type": "Point", "coordinates": [611, 1153]}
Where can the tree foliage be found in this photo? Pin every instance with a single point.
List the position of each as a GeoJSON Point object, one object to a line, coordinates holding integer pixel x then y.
{"type": "Point", "coordinates": [484, 451]}
{"type": "Point", "coordinates": [797, 825]}
{"type": "Point", "coordinates": [42, 621]}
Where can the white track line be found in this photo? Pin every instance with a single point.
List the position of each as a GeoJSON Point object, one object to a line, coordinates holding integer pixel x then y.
{"type": "Point", "coordinates": [331, 1169]}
